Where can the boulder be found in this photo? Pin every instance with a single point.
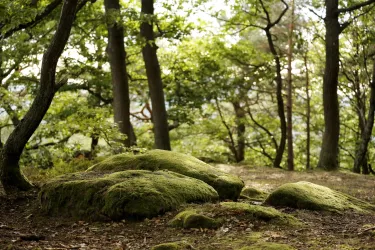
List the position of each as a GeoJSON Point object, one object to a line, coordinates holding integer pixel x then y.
{"type": "Point", "coordinates": [228, 186]}
{"type": "Point", "coordinates": [132, 194]}
{"type": "Point", "coordinates": [306, 195]}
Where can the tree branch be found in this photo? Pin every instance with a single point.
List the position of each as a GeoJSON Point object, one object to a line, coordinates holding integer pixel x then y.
{"type": "Point", "coordinates": [356, 7]}
{"type": "Point", "coordinates": [48, 10]}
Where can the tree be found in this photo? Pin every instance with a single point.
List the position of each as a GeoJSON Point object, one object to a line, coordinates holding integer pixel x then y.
{"type": "Point", "coordinates": [330, 143]}
{"type": "Point", "coordinates": [117, 60]}
{"type": "Point", "coordinates": [10, 173]}
{"type": "Point", "coordinates": [366, 134]}
{"type": "Point", "coordinates": [290, 97]}
{"type": "Point", "coordinates": [155, 84]}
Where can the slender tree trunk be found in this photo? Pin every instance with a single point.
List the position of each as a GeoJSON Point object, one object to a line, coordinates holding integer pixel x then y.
{"type": "Point", "coordinates": [10, 173]}
{"type": "Point", "coordinates": [290, 97]}
{"type": "Point", "coordinates": [117, 60]}
{"type": "Point", "coordinates": [280, 101]}
{"type": "Point", "coordinates": [366, 135]}
{"type": "Point", "coordinates": [308, 114]}
{"type": "Point", "coordinates": [328, 159]}
{"type": "Point", "coordinates": [241, 129]}
{"type": "Point", "coordinates": [159, 113]}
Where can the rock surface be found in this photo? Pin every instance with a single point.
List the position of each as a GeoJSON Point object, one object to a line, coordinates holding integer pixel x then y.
{"type": "Point", "coordinates": [306, 195]}
{"type": "Point", "coordinates": [228, 186]}
{"type": "Point", "coordinates": [129, 194]}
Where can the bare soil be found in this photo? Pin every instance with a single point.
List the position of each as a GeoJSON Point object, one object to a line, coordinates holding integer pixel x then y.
{"type": "Point", "coordinates": [22, 226]}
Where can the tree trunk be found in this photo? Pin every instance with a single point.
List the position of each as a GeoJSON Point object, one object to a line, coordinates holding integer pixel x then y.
{"type": "Point", "coordinates": [366, 135]}
{"type": "Point", "coordinates": [289, 106]}
{"type": "Point", "coordinates": [11, 176]}
{"type": "Point", "coordinates": [328, 159]}
{"type": "Point", "coordinates": [241, 129]}
{"type": "Point", "coordinates": [159, 113]}
{"type": "Point", "coordinates": [280, 103]}
{"type": "Point", "coordinates": [308, 114]}
{"type": "Point", "coordinates": [117, 60]}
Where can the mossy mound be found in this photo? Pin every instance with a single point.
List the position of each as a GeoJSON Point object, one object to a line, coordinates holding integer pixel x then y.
{"type": "Point", "coordinates": [268, 246]}
{"type": "Point", "coordinates": [259, 212]}
{"type": "Point", "coordinates": [306, 195]}
{"type": "Point", "coordinates": [228, 186]}
{"type": "Point", "coordinates": [180, 245]}
{"type": "Point", "coordinates": [192, 219]}
{"type": "Point", "coordinates": [254, 194]}
{"type": "Point", "coordinates": [213, 215]}
{"type": "Point", "coordinates": [128, 194]}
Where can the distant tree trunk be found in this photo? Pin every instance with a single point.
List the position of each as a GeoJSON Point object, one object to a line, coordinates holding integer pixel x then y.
{"type": "Point", "coordinates": [360, 100]}
{"type": "Point", "coordinates": [308, 113]}
{"type": "Point", "coordinates": [1, 142]}
{"type": "Point", "coordinates": [159, 113]}
{"type": "Point", "coordinates": [366, 135]}
{"type": "Point", "coordinates": [328, 159]}
{"type": "Point", "coordinates": [241, 129]}
{"type": "Point", "coordinates": [11, 176]}
{"type": "Point", "coordinates": [289, 106]}
{"type": "Point", "coordinates": [279, 80]}
{"type": "Point", "coordinates": [330, 147]}
{"type": "Point", "coordinates": [117, 60]}
{"type": "Point", "coordinates": [280, 102]}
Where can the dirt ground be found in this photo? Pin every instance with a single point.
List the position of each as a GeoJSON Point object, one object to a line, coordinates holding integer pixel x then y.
{"type": "Point", "coordinates": [23, 227]}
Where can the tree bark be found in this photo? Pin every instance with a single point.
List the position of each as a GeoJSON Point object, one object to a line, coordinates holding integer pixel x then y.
{"type": "Point", "coordinates": [289, 106]}
{"type": "Point", "coordinates": [308, 114]}
{"type": "Point", "coordinates": [366, 135]}
{"type": "Point", "coordinates": [280, 102]}
{"type": "Point", "coordinates": [11, 176]}
{"type": "Point", "coordinates": [159, 113]}
{"type": "Point", "coordinates": [241, 129]}
{"type": "Point", "coordinates": [117, 60]}
{"type": "Point", "coordinates": [330, 148]}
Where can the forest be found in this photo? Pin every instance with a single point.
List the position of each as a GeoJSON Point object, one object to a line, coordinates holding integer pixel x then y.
{"type": "Point", "coordinates": [187, 124]}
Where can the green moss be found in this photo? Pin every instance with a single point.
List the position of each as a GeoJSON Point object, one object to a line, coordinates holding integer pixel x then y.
{"type": "Point", "coordinates": [192, 219]}
{"type": "Point", "coordinates": [260, 212]}
{"type": "Point", "coordinates": [227, 186]}
{"type": "Point", "coordinates": [181, 245]}
{"type": "Point", "coordinates": [253, 194]}
{"type": "Point", "coordinates": [306, 195]}
{"type": "Point", "coordinates": [133, 193]}
{"type": "Point", "coordinates": [268, 246]}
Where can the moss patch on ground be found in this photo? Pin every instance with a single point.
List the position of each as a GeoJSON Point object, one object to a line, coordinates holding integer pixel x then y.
{"type": "Point", "coordinates": [213, 215]}
{"type": "Point", "coordinates": [260, 212]}
{"type": "Point", "coordinates": [268, 246]}
{"type": "Point", "coordinates": [128, 194]}
{"type": "Point", "coordinates": [228, 186]}
{"type": "Point", "coordinates": [192, 219]}
{"type": "Point", "coordinates": [253, 194]}
{"type": "Point", "coordinates": [180, 245]}
{"type": "Point", "coordinates": [306, 195]}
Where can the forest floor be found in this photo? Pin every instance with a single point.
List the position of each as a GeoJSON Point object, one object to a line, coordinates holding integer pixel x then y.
{"type": "Point", "coordinates": [23, 227]}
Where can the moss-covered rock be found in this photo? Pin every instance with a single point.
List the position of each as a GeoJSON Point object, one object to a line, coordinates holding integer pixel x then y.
{"type": "Point", "coordinates": [306, 195]}
{"type": "Point", "coordinates": [260, 212]}
{"type": "Point", "coordinates": [180, 245]}
{"type": "Point", "coordinates": [127, 194]}
{"type": "Point", "coordinates": [254, 194]}
{"type": "Point", "coordinates": [268, 246]}
{"type": "Point", "coordinates": [192, 219]}
{"type": "Point", "coordinates": [228, 186]}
